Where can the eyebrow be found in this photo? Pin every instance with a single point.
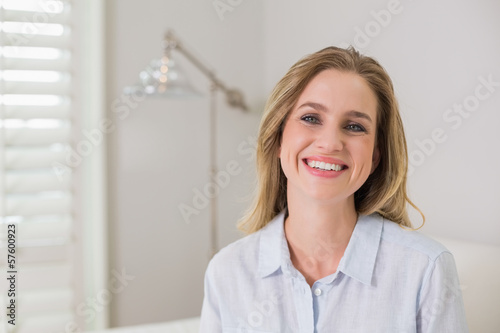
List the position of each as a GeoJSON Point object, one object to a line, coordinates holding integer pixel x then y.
{"type": "Point", "coordinates": [321, 107]}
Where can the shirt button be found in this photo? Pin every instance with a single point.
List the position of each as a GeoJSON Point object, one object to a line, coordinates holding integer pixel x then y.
{"type": "Point", "coordinates": [317, 292]}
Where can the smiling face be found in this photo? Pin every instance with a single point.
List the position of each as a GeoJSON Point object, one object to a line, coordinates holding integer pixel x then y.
{"type": "Point", "coordinates": [328, 147]}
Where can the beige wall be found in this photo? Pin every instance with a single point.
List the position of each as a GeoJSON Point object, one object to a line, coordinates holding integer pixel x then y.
{"type": "Point", "coordinates": [159, 151]}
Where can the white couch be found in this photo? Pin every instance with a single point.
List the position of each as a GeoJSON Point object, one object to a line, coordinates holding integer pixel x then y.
{"type": "Point", "coordinates": [190, 325]}
{"type": "Point", "coordinates": [479, 270]}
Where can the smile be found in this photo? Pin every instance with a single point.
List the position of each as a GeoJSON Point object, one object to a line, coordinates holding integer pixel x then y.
{"type": "Point", "coordinates": [320, 165]}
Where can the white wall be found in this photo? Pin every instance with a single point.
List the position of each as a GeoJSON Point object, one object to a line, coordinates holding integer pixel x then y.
{"type": "Point", "coordinates": [159, 151]}
{"type": "Point", "coordinates": [435, 52]}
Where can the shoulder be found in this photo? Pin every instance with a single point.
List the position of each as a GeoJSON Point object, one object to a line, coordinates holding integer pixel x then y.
{"type": "Point", "coordinates": [257, 252]}
{"type": "Point", "coordinates": [241, 254]}
{"type": "Point", "coordinates": [411, 240]}
{"type": "Point", "coordinates": [404, 252]}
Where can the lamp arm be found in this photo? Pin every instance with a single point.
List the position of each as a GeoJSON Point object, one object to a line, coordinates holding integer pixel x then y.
{"type": "Point", "coordinates": [210, 74]}
{"type": "Point", "coordinates": [234, 97]}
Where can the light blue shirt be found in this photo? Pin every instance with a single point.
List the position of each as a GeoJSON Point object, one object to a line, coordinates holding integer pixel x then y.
{"type": "Point", "coordinates": [389, 280]}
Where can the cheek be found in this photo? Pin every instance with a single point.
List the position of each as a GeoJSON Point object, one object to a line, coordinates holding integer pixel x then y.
{"type": "Point", "coordinates": [286, 155]}
{"type": "Point", "coordinates": [364, 154]}
{"type": "Point", "coordinates": [296, 137]}
{"type": "Point", "coordinates": [292, 144]}
{"type": "Point", "coordinates": [286, 139]}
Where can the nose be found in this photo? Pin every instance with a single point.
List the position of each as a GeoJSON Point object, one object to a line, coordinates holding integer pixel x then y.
{"type": "Point", "coordinates": [330, 140]}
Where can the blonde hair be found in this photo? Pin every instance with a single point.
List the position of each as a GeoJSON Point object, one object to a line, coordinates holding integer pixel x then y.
{"type": "Point", "coordinates": [384, 191]}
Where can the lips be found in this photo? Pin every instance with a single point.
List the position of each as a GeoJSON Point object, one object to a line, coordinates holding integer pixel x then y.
{"type": "Point", "coordinates": [325, 166]}
{"type": "Point", "coordinates": [325, 163]}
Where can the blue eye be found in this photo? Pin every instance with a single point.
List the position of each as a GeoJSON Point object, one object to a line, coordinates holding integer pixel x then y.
{"type": "Point", "coordinates": [355, 128]}
{"type": "Point", "coordinates": [310, 119]}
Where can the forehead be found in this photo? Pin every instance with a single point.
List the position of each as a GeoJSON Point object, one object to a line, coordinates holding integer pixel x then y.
{"type": "Point", "coordinates": [340, 91]}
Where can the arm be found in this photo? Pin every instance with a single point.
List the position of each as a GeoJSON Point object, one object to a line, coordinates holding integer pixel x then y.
{"type": "Point", "coordinates": [210, 313]}
{"type": "Point", "coordinates": [441, 308]}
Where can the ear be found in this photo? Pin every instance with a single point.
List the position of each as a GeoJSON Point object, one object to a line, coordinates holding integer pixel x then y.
{"type": "Point", "coordinates": [375, 159]}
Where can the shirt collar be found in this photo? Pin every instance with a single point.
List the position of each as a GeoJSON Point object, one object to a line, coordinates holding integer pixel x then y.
{"type": "Point", "coordinates": [271, 245]}
{"type": "Point", "coordinates": [359, 257]}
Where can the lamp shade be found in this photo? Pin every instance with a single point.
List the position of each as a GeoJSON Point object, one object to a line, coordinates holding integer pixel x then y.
{"type": "Point", "coordinates": [164, 77]}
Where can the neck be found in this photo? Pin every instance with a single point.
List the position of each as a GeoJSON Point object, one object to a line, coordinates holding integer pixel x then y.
{"type": "Point", "coordinates": [318, 234]}
{"type": "Point", "coordinates": [310, 221]}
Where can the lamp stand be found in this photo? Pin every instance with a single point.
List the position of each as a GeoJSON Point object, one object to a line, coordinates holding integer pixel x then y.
{"type": "Point", "coordinates": [159, 78]}
{"type": "Point", "coordinates": [213, 170]}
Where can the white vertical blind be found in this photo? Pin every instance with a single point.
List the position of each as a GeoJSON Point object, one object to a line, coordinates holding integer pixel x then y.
{"type": "Point", "coordinates": [36, 118]}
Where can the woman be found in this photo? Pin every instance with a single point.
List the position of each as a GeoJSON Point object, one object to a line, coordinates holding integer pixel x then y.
{"type": "Point", "coordinates": [331, 247]}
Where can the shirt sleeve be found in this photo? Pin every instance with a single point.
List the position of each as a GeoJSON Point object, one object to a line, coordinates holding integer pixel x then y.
{"type": "Point", "coordinates": [210, 314]}
{"type": "Point", "coordinates": [441, 308]}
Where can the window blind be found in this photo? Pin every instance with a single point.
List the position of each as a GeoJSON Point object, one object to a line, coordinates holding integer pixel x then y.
{"type": "Point", "coordinates": [36, 121]}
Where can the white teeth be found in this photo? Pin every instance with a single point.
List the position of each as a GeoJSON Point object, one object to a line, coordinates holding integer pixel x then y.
{"type": "Point", "coordinates": [312, 164]}
{"type": "Point", "coordinates": [324, 166]}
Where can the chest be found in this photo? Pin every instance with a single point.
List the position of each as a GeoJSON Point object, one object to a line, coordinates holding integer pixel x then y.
{"type": "Point", "coordinates": [289, 304]}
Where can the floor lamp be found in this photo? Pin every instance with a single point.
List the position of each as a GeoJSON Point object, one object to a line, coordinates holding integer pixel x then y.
{"type": "Point", "coordinates": [163, 77]}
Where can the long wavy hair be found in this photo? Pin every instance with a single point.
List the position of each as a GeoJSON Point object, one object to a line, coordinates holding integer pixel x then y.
{"type": "Point", "coordinates": [384, 192]}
